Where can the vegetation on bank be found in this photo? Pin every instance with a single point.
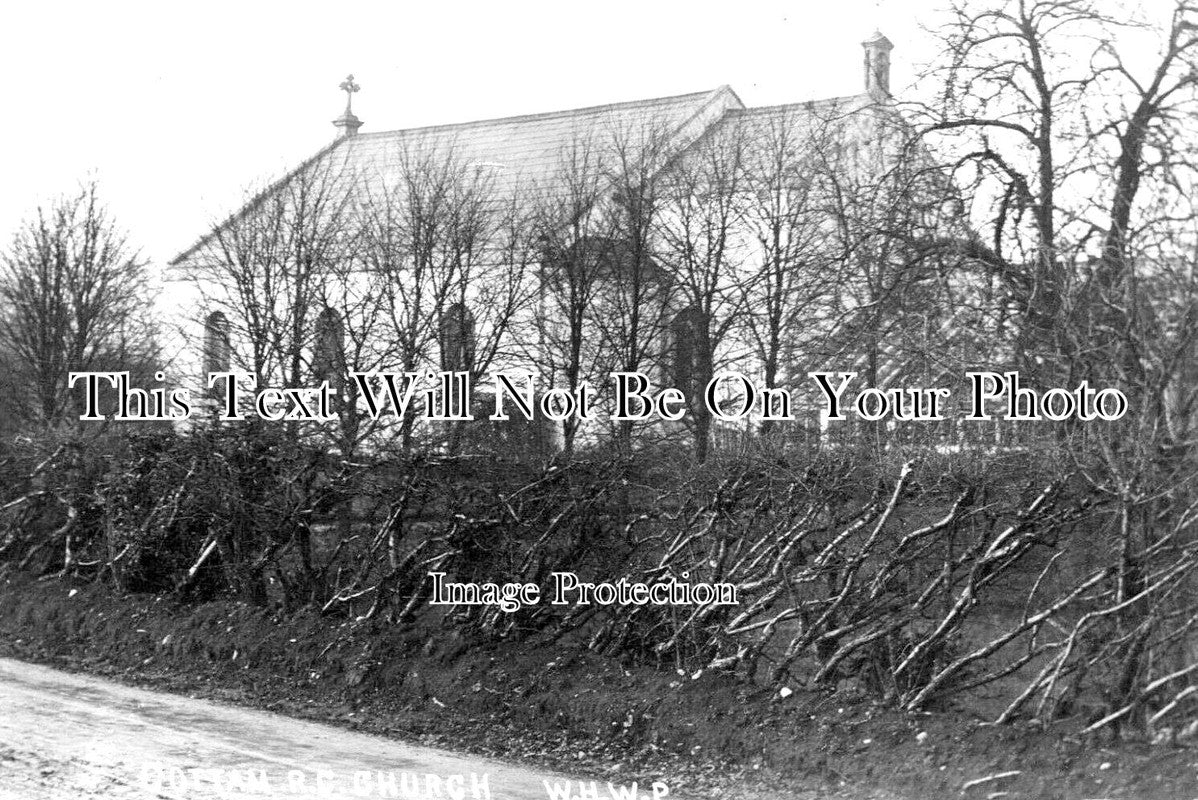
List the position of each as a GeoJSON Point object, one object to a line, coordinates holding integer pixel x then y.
{"type": "Point", "coordinates": [705, 733]}
{"type": "Point", "coordinates": [1011, 584]}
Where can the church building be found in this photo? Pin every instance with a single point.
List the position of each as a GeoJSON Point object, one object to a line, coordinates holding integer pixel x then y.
{"type": "Point", "coordinates": [680, 237]}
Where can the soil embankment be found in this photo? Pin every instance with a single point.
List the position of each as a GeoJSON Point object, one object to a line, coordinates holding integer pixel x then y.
{"type": "Point", "coordinates": [546, 705]}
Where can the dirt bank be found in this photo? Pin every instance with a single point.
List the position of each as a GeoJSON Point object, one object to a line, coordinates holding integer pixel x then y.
{"type": "Point", "coordinates": [546, 704]}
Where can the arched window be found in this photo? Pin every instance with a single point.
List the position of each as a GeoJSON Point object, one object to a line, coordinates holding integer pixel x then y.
{"type": "Point", "coordinates": [216, 345]}
{"type": "Point", "coordinates": [328, 356]}
{"type": "Point", "coordinates": [457, 339]}
{"type": "Point", "coordinates": [686, 345]}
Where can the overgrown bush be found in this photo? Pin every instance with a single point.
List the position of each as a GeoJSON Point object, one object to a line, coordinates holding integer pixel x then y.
{"type": "Point", "coordinates": [918, 584]}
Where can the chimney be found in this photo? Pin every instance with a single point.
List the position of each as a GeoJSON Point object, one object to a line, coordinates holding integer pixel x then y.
{"type": "Point", "coordinates": [877, 65]}
{"type": "Point", "coordinates": [347, 123]}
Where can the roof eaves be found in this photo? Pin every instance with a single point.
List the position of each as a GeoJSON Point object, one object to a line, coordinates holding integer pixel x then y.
{"type": "Point", "coordinates": [255, 201]}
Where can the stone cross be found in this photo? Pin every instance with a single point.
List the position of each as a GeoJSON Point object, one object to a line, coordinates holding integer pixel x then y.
{"type": "Point", "coordinates": [349, 87]}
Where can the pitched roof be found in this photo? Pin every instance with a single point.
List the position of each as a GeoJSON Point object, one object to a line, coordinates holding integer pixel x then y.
{"type": "Point", "coordinates": [528, 149]}
{"type": "Point", "coordinates": [521, 151]}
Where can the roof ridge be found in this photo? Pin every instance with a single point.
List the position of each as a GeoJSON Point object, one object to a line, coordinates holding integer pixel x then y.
{"type": "Point", "coordinates": [544, 114]}
{"type": "Point", "coordinates": [823, 101]}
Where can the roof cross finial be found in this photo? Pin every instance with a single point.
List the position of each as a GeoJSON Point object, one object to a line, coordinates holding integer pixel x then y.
{"type": "Point", "coordinates": [349, 87]}
{"type": "Point", "coordinates": [347, 123]}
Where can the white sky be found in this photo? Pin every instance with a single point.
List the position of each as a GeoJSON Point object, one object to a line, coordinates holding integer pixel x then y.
{"type": "Point", "coordinates": [177, 108]}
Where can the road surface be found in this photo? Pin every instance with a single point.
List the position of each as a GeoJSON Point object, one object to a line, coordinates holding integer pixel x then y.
{"type": "Point", "coordinates": [66, 737]}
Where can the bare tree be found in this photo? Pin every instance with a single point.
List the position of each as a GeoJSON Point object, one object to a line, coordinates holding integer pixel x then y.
{"type": "Point", "coordinates": [702, 244]}
{"type": "Point", "coordinates": [1046, 116]}
{"type": "Point", "coordinates": [264, 270]}
{"type": "Point", "coordinates": [489, 254]}
{"type": "Point", "coordinates": [452, 248]}
{"type": "Point", "coordinates": [578, 252]}
{"type": "Point", "coordinates": [266, 274]}
{"type": "Point", "coordinates": [406, 240]}
{"type": "Point", "coordinates": [1082, 166]}
{"type": "Point", "coordinates": [74, 297]}
{"type": "Point", "coordinates": [635, 301]}
{"type": "Point", "coordinates": [791, 274]}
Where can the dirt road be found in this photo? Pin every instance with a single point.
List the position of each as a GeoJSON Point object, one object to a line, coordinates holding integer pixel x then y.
{"type": "Point", "coordinates": [71, 736]}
